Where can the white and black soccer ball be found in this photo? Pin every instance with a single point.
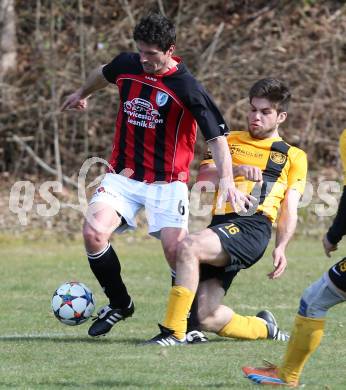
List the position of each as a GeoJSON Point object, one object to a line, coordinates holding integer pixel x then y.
{"type": "Point", "coordinates": [73, 303]}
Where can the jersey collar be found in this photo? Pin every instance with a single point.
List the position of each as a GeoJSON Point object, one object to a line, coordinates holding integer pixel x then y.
{"type": "Point", "coordinates": [173, 69]}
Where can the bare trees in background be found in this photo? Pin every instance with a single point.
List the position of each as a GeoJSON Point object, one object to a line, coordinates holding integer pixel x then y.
{"type": "Point", "coordinates": [8, 40]}
{"type": "Point", "coordinates": [47, 47]}
{"type": "Point", "coordinates": [229, 45]}
{"type": "Point", "coordinates": [8, 56]}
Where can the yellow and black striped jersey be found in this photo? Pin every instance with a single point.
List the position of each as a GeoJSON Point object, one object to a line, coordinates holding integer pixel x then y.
{"type": "Point", "coordinates": [342, 151]}
{"type": "Point", "coordinates": [283, 166]}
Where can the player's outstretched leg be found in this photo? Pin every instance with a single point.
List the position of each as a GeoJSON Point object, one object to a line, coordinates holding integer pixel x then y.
{"type": "Point", "coordinates": [306, 337]}
{"type": "Point", "coordinates": [262, 326]}
{"type": "Point", "coordinates": [307, 332]}
{"type": "Point", "coordinates": [274, 333]}
{"type": "Point", "coordinates": [106, 267]}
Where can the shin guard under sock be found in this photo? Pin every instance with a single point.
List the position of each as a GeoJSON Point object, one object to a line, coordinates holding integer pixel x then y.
{"type": "Point", "coordinates": [106, 267]}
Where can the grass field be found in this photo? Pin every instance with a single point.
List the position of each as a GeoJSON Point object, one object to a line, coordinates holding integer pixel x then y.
{"type": "Point", "coordinates": [37, 352]}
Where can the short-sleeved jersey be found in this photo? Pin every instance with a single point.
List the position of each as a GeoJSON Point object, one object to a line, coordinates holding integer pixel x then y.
{"type": "Point", "coordinates": [338, 227]}
{"type": "Point", "coordinates": [283, 166]}
{"type": "Point", "coordinates": [156, 122]}
{"type": "Point", "coordinates": [342, 151]}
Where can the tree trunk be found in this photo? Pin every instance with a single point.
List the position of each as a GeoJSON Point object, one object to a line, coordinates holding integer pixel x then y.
{"type": "Point", "coordinates": [8, 41]}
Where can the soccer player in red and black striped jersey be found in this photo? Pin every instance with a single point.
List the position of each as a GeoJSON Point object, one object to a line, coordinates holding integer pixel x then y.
{"type": "Point", "coordinates": [161, 104]}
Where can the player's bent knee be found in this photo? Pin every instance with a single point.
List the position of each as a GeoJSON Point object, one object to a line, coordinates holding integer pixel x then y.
{"type": "Point", "coordinates": [318, 298]}
{"type": "Point", "coordinates": [94, 239]}
{"type": "Point", "coordinates": [185, 249]}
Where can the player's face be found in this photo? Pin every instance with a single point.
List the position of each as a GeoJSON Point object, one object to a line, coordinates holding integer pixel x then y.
{"type": "Point", "coordinates": [264, 119]}
{"type": "Point", "coordinates": [153, 59]}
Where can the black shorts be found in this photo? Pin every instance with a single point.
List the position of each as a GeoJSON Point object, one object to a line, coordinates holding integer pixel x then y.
{"type": "Point", "coordinates": [337, 274]}
{"type": "Point", "coordinates": [244, 239]}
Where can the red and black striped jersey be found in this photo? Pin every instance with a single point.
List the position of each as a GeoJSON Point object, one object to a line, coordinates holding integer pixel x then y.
{"type": "Point", "coordinates": [156, 125]}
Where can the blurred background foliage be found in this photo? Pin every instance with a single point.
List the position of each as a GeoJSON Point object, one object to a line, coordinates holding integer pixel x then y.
{"type": "Point", "coordinates": [48, 47]}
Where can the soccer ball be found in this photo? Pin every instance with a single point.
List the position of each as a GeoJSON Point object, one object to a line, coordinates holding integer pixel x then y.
{"type": "Point", "coordinates": [73, 303]}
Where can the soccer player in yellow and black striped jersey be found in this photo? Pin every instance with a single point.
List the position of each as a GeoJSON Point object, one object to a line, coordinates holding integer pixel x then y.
{"type": "Point", "coordinates": [326, 292]}
{"type": "Point", "coordinates": [272, 171]}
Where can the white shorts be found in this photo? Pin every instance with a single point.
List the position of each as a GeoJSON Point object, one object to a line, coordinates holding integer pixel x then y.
{"type": "Point", "coordinates": [166, 205]}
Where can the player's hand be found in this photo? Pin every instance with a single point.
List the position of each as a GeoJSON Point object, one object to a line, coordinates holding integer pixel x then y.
{"type": "Point", "coordinates": [74, 102]}
{"type": "Point", "coordinates": [249, 172]}
{"type": "Point", "coordinates": [238, 199]}
{"type": "Point", "coordinates": [328, 246]}
{"type": "Point", "coordinates": [279, 262]}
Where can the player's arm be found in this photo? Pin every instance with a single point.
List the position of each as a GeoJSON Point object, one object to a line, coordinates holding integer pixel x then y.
{"type": "Point", "coordinates": [214, 130]}
{"type": "Point", "coordinates": [223, 162]}
{"type": "Point", "coordinates": [78, 99]}
{"type": "Point", "coordinates": [338, 229]}
{"type": "Point", "coordinates": [208, 173]}
{"type": "Point", "coordinates": [286, 226]}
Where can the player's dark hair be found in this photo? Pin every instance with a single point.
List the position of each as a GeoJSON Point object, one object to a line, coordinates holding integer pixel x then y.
{"type": "Point", "coordinates": [155, 29]}
{"type": "Point", "coordinates": [276, 91]}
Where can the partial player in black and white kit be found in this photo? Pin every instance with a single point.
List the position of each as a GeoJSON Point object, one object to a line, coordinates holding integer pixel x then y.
{"type": "Point", "coordinates": [317, 299]}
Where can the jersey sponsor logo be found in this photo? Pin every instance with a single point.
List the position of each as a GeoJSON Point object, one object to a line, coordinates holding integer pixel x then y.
{"type": "Point", "coordinates": [142, 113]}
{"type": "Point", "coordinates": [239, 150]}
{"type": "Point", "coordinates": [161, 98]}
{"type": "Point", "coordinates": [278, 158]}
{"type": "Point", "coordinates": [150, 78]}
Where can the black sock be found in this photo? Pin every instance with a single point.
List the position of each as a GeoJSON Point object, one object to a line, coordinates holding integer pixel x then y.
{"type": "Point", "coordinates": [106, 267]}
{"type": "Point", "coordinates": [192, 319]}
